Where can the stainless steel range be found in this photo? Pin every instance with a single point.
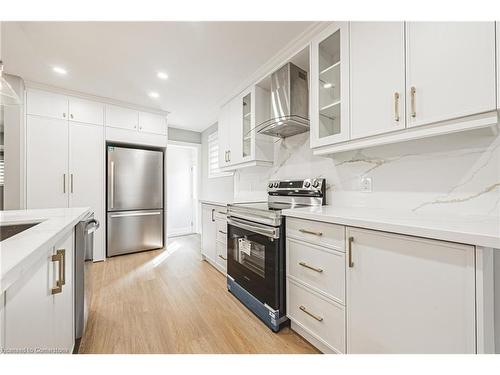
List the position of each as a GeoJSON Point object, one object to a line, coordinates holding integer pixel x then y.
{"type": "Point", "coordinates": [256, 247]}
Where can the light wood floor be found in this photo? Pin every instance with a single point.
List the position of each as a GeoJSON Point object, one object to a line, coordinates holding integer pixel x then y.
{"type": "Point", "coordinates": [173, 302]}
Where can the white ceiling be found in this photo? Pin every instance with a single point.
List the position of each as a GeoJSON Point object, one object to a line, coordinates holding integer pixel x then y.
{"type": "Point", "coordinates": [205, 61]}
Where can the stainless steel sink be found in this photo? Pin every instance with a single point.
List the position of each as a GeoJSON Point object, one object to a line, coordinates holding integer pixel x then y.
{"type": "Point", "coordinates": [7, 231]}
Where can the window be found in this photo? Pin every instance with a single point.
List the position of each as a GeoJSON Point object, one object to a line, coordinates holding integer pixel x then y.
{"type": "Point", "coordinates": [213, 157]}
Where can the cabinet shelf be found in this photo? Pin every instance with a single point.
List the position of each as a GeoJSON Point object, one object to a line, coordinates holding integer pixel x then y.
{"type": "Point", "coordinates": [329, 68]}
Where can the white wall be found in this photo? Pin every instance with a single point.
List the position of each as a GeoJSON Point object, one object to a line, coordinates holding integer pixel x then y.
{"type": "Point", "coordinates": [213, 189]}
{"type": "Point", "coordinates": [457, 173]}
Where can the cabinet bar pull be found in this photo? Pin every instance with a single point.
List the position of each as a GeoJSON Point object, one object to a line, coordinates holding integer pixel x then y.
{"type": "Point", "coordinates": [112, 203]}
{"type": "Point", "coordinates": [303, 264]}
{"type": "Point", "coordinates": [222, 212]}
{"type": "Point", "coordinates": [59, 256]}
{"type": "Point", "coordinates": [311, 232]}
{"type": "Point", "coordinates": [222, 232]}
{"type": "Point", "coordinates": [64, 183]}
{"type": "Point", "coordinates": [350, 241]}
{"type": "Point", "coordinates": [413, 93]}
{"type": "Point", "coordinates": [213, 211]}
{"type": "Point", "coordinates": [71, 182]}
{"type": "Point", "coordinates": [229, 155]}
{"type": "Point", "coordinates": [396, 106]}
{"type": "Point", "coordinates": [318, 318]}
{"type": "Point", "coordinates": [220, 256]}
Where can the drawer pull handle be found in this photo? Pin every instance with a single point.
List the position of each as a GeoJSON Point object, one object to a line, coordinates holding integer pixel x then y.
{"type": "Point", "coordinates": [413, 93]}
{"type": "Point", "coordinates": [222, 232]}
{"type": "Point", "coordinates": [351, 263]}
{"type": "Point", "coordinates": [318, 318]}
{"type": "Point", "coordinates": [319, 234]}
{"type": "Point", "coordinates": [310, 267]}
{"type": "Point", "coordinates": [220, 256]}
{"type": "Point", "coordinates": [222, 213]}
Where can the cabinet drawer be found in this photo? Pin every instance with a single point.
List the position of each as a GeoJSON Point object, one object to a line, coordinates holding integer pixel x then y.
{"type": "Point", "coordinates": [220, 213]}
{"type": "Point", "coordinates": [318, 267]}
{"type": "Point", "coordinates": [320, 317]}
{"type": "Point", "coordinates": [316, 232]}
{"type": "Point", "coordinates": [221, 259]}
{"type": "Point", "coordinates": [221, 231]}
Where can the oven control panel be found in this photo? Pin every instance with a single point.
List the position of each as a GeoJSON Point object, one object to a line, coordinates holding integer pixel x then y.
{"type": "Point", "coordinates": [285, 186]}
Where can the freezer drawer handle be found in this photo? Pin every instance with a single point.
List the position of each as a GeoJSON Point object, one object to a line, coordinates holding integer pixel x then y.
{"type": "Point", "coordinates": [137, 214]}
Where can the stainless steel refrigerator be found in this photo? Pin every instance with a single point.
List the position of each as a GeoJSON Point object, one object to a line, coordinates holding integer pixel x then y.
{"type": "Point", "coordinates": [134, 200]}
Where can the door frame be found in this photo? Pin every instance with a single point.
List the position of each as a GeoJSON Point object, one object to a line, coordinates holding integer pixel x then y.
{"type": "Point", "coordinates": [196, 147]}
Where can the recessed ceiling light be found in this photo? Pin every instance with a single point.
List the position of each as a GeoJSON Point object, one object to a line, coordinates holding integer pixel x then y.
{"type": "Point", "coordinates": [154, 95]}
{"type": "Point", "coordinates": [59, 70]}
{"type": "Point", "coordinates": [162, 75]}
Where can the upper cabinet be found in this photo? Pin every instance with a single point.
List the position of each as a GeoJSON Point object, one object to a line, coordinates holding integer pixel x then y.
{"type": "Point", "coordinates": [86, 111]}
{"type": "Point", "coordinates": [377, 77]}
{"type": "Point", "coordinates": [450, 70]}
{"type": "Point", "coordinates": [47, 104]}
{"type": "Point", "coordinates": [374, 83]}
{"type": "Point", "coordinates": [239, 143]}
{"type": "Point", "coordinates": [151, 123]}
{"type": "Point", "coordinates": [330, 86]}
{"type": "Point", "coordinates": [119, 117]}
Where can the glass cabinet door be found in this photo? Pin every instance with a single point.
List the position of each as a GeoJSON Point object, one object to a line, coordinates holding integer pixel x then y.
{"type": "Point", "coordinates": [329, 115]}
{"type": "Point", "coordinates": [246, 103]}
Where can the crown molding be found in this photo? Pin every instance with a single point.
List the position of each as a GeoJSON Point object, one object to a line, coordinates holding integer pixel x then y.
{"type": "Point", "coordinates": [96, 98]}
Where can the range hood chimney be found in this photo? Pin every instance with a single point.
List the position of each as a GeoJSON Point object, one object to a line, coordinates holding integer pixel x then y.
{"type": "Point", "coordinates": [289, 103]}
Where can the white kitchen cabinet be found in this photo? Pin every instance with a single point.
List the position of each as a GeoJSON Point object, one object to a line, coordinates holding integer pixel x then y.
{"type": "Point", "coordinates": [239, 143]}
{"type": "Point", "coordinates": [377, 58]}
{"type": "Point", "coordinates": [37, 315]}
{"type": "Point", "coordinates": [47, 104]}
{"type": "Point", "coordinates": [46, 162]}
{"type": "Point", "coordinates": [223, 134]}
{"type": "Point", "coordinates": [119, 117]}
{"type": "Point", "coordinates": [497, 25]}
{"type": "Point", "coordinates": [86, 175]}
{"type": "Point", "coordinates": [221, 239]}
{"type": "Point", "coordinates": [86, 111]}
{"type": "Point", "coordinates": [65, 163]}
{"type": "Point", "coordinates": [409, 295]}
{"type": "Point", "coordinates": [329, 112]}
{"type": "Point", "coordinates": [208, 233]}
{"type": "Point", "coordinates": [450, 70]}
{"type": "Point", "coordinates": [151, 123]}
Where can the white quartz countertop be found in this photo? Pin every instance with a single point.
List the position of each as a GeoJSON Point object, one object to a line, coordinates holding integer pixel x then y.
{"type": "Point", "coordinates": [468, 229]}
{"type": "Point", "coordinates": [19, 252]}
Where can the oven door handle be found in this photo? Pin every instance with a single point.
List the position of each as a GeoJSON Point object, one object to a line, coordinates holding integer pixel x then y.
{"type": "Point", "coordinates": [264, 230]}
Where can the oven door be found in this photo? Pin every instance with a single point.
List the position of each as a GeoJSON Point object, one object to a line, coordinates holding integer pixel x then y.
{"type": "Point", "coordinates": [253, 259]}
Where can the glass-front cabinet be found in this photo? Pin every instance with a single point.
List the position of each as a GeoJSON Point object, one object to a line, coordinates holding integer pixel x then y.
{"type": "Point", "coordinates": [330, 86]}
{"type": "Point", "coordinates": [247, 141]}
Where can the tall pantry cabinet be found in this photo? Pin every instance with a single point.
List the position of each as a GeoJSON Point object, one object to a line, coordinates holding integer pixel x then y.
{"type": "Point", "coordinates": [65, 155]}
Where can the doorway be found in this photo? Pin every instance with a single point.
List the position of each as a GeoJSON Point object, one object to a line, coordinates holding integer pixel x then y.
{"type": "Point", "coordinates": [182, 188]}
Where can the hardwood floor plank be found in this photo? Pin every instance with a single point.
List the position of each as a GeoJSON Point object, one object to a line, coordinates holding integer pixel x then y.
{"type": "Point", "coordinates": [170, 301]}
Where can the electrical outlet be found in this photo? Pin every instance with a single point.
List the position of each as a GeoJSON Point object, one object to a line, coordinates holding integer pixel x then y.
{"type": "Point", "coordinates": [366, 184]}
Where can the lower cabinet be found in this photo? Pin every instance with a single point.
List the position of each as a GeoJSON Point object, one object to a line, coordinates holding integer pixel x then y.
{"type": "Point", "coordinates": [213, 238]}
{"type": "Point", "coordinates": [39, 307]}
{"type": "Point", "coordinates": [380, 292]}
{"type": "Point", "coordinates": [409, 295]}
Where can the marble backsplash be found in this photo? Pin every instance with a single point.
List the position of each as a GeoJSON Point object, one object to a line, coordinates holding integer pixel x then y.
{"type": "Point", "coordinates": [457, 173]}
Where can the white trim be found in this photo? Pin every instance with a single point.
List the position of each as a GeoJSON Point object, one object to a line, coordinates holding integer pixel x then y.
{"type": "Point", "coordinates": [489, 119]}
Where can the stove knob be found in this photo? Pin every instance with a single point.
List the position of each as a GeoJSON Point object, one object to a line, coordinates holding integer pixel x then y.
{"type": "Point", "coordinates": [307, 184]}
{"type": "Point", "coordinates": [315, 184]}
{"type": "Point", "coordinates": [270, 185]}
{"type": "Point", "coordinates": [276, 184]}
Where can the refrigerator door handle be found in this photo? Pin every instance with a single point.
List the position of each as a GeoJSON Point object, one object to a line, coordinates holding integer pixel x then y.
{"type": "Point", "coordinates": [137, 214]}
{"type": "Point", "coordinates": [112, 184]}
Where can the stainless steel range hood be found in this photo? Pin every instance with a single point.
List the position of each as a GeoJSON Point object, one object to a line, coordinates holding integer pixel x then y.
{"type": "Point", "coordinates": [289, 103]}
